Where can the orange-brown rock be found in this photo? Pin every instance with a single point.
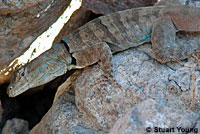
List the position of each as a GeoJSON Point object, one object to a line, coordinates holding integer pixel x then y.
{"type": "Point", "coordinates": [78, 18]}
{"type": "Point", "coordinates": [21, 22]}
{"type": "Point", "coordinates": [110, 6]}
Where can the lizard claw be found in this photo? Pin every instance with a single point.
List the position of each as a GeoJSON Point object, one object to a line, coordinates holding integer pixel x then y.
{"type": "Point", "coordinates": [70, 67]}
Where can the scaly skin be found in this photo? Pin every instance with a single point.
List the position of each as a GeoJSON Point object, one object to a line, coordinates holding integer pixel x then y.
{"type": "Point", "coordinates": [56, 62]}
{"type": "Point", "coordinates": [97, 40]}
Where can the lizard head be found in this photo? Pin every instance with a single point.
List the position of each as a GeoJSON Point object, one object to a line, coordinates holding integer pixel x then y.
{"type": "Point", "coordinates": [34, 75]}
{"type": "Point", "coordinates": [19, 83]}
{"type": "Point", "coordinates": [46, 67]}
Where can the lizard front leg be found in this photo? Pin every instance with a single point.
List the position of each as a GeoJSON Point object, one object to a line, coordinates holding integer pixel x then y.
{"type": "Point", "coordinates": [99, 52]}
{"type": "Point", "coordinates": [164, 44]}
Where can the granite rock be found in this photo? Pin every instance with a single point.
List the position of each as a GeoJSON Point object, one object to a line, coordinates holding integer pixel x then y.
{"type": "Point", "coordinates": [151, 117]}
{"type": "Point", "coordinates": [145, 83]}
{"type": "Point", "coordinates": [16, 126]}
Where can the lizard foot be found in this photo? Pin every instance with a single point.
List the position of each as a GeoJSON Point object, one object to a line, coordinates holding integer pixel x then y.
{"type": "Point", "coordinates": [105, 80]}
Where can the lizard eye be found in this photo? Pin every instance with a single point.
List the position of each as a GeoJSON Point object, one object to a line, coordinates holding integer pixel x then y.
{"type": "Point", "coordinates": [22, 74]}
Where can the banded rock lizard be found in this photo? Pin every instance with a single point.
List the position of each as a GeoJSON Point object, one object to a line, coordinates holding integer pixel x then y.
{"type": "Point", "coordinates": [97, 40]}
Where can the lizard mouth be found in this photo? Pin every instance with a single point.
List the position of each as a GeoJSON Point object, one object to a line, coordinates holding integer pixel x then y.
{"type": "Point", "coordinates": [12, 92]}
{"type": "Point", "coordinates": [9, 91]}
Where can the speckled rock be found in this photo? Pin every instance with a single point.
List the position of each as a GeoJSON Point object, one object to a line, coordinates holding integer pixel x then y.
{"type": "Point", "coordinates": [195, 3]}
{"type": "Point", "coordinates": [104, 102]}
{"type": "Point", "coordinates": [140, 77]}
{"type": "Point", "coordinates": [11, 6]}
{"type": "Point", "coordinates": [101, 102]}
{"type": "Point", "coordinates": [151, 117]}
{"type": "Point", "coordinates": [64, 117]}
{"type": "Point", "coordinates": [16, 126]}
{"type": "Point", "coordinates": [196, 129]}
{"type": "Point", "coordinates": [171, 2]}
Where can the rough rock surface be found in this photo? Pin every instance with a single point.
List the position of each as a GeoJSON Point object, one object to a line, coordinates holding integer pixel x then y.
{"type": "Point", "coordinates": [196, 128]}
{"type": "Point", "coordinates": [10, 6]}
{"type": "Point", "coordinates": [102, 103]}
{"type": "Point", "coordinates": [195, 3]}
{"type": "Point", "coordinates": [149, 116]}
{"type": "Point", "coordinates": [171, 2]}
{"type": "Point", "coordinates": [153, 94]}
{"type": "Point", "coordinates": [21, 22]}
{"type": "Point", "coordinates": [65, 118]}
{"type": "Point", "coordinates": [16, 126]}
{"type": "Point", "coordinates": [110, 6]}
{"type": "Point", "coordinates": [77, 19]}
{"type": "Point", "coordinates": [149, 79]}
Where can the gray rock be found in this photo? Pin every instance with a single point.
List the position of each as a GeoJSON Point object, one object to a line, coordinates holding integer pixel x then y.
{"type": "Point", "coordinates": [64, 117]}
{"type": "Point", "coordinates": [140, 77]}
{"type": "Point", "coordinates": [196, 129]}
{"type": "Point", "coordinates": [137, 74]}
{"type": "Point", "coordinates": [151, 117]}
{"type": "Point", "coordinates": [195, 3]}
{"type": "Point", "coordinates": [100, 102]}
{"type": "Point", "coordinates": [16, 126]}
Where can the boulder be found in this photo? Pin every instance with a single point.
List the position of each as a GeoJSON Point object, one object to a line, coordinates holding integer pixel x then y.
{"type": "Point", "coordinates": [21, 23]}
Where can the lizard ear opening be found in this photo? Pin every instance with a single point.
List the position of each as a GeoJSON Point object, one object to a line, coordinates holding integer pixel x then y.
{"type": "Point", "coordinates": [66, 46]}
{"type": "Point", "coordinates": [68, 49]}
{"type": "Point", "coordinates": [73, 60]}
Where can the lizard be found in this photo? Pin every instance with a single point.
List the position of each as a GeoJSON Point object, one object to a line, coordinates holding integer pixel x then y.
{"type": "Point", "coordinates": [97, 40]}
